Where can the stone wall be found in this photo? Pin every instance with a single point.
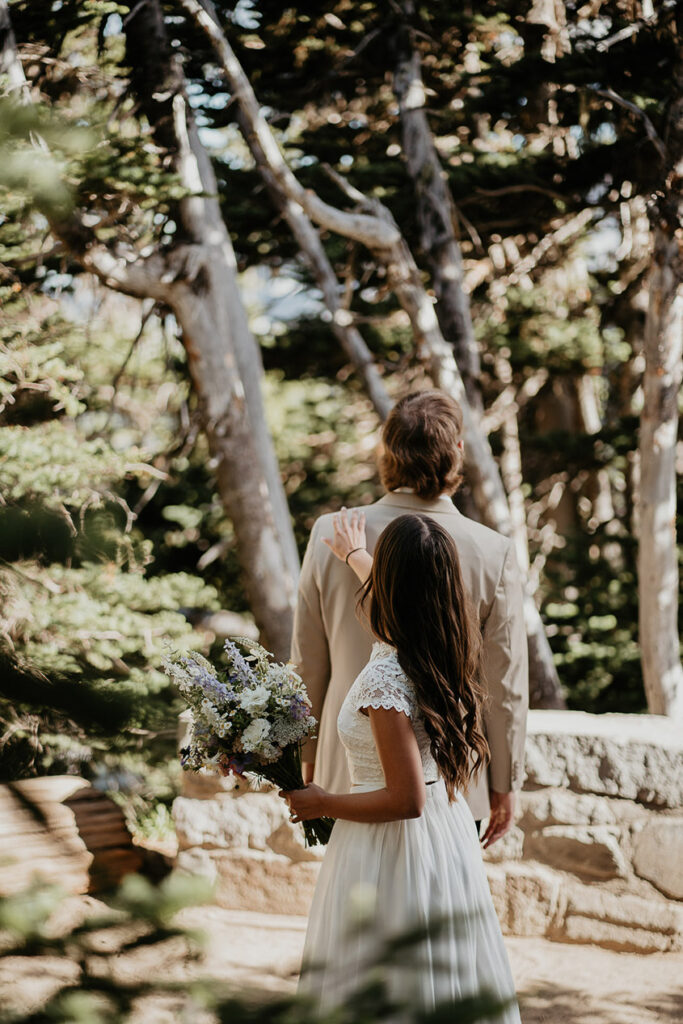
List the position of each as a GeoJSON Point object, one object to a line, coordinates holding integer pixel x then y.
{"type": "Point", "coordinates": [64, 831]}
{"type": "Point", "coordinates": [596, 854]}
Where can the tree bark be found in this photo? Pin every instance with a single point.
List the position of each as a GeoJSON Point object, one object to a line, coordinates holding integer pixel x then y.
{"type": "Point", "coordinates": [284, 192]}
{"type": "Point", "coordinates": [223, 356]}
{"type": "Point", "coordinates": [373, 226]}
{"type": "Point", "coordinates": [10, 66]}
{"type": "Point", "coordinates": [436, 216]}
{"type": "Point", "coordinates": [313, 252]}
{"type": "Point", "coordinates": [198, 281]}
{"type": "Point", "coordinates": [658, 587]}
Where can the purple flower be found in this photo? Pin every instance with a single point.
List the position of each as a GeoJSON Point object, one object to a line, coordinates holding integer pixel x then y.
{"type": "Point", "coordinates": [240, 670]}
{"type": "Point", "coordinates": [239, 765]}
{"type": "Point", "coordinates": [207, 682]}
{"type": "Point", "coordinates": [298, 709]}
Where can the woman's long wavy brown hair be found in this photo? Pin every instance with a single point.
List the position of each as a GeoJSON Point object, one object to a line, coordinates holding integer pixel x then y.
{"type": "Point", "coordinates": [418, 604]}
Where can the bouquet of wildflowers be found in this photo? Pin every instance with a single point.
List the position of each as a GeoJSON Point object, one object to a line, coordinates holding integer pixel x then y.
{"type": "Point", "coordinates": [251, 716]}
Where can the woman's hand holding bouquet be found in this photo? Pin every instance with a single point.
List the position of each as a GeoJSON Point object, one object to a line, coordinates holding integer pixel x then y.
{"type": "Point", "coordinates": [251, 716]}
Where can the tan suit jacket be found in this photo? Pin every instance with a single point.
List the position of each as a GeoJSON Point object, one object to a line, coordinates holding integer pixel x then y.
{"type": "Point", "coordinates": [330, 646]}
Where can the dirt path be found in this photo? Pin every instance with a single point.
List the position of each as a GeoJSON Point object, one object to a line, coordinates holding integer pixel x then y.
{"type": "Point", "coordinates": [261, 953]}
{"type": "Point", "coordinates": [556, 983]}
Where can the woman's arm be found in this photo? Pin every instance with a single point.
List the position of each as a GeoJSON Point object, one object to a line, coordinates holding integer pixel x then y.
{"type": "Point", "coordinates": [349, 543]}
{"type": "Point", "coordinates": [403, 795]}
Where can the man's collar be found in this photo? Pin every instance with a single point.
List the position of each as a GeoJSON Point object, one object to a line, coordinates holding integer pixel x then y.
{"type": "Point", "coordinates": [405, 499]}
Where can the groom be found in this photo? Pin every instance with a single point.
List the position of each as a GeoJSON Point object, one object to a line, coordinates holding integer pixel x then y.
{"type": "Point", "coordinates": [420, 464]}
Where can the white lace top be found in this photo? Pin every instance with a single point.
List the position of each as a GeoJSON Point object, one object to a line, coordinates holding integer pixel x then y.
{"type": "Point", "coordinates": [381, 684]}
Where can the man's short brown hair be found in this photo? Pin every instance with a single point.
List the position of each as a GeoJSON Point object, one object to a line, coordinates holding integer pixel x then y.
{"type": "Point", "coordinates": [420, 439]}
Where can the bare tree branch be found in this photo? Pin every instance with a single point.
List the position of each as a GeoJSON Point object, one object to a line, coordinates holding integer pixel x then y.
{"type": "Point", "coordinates": [610, 94]}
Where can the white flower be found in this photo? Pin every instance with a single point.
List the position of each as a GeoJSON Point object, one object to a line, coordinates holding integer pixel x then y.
{"type": "Point", "coordinates": [255, 735]}
{"type": "Point", "coordinates": [255, 700]}
{"type": "Point", "coordinates": [285, 731]}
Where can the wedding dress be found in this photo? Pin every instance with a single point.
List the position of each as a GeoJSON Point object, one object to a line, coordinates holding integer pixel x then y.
{"type": "Point", "coordinates": [379, 881]}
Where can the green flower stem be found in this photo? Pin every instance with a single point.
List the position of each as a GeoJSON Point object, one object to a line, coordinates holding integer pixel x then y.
{"type": "Point", "coordinates": [286, 773]}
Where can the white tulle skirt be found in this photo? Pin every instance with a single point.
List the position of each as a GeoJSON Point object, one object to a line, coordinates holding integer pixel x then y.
{"type": "Point", "coordinates": [379, 882]}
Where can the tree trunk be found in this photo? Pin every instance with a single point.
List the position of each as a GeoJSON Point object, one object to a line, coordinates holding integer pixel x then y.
{"type": "Point", "coordinates": [274, 173]}
{"type": "Point", "coordinates": [206, 313]}
{"type": "Point", "coordinates": [436, 217]}
{"type": "Point", "coordinates": [313, 252]}
{"type": "Point", "coordinates": [198, 282]}
{"type": "Point", "coordinates": [375, 228]}
{"type": "Point", "coordinates": [10, 66]}
{"type": "Point", "coordinates": [658, 590]}
{"type": "Point", "coordinates": [597, 487]}
{"type": "Point", "coordinates": [223, 356]}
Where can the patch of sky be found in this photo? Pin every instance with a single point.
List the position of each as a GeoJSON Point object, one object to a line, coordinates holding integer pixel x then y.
{"type": "Point", "coordinates": [195, 92]}
{"type": "Point", "coordinates": [55, 283]}
{"type": "Point", "coordinates": [245, 14]}
{"type": "Point", "coordinates": [218, 101]}
{"type": "Point", "coordinates": [346, 160]}
{"type": "Point", "coordinates": [274, 299]}
{"type": "Point", "coordinates": [221, 143]}
{"type": "Point", "coordinates": [600, 246]}
{"type": "Point", "coordinates": [508, 37]}
{"type": "Point", "coordinates": [114, 25]}
{"type": "Point", "coordinates": [586, 30]}
{"type": "Point", "coordinates": [605, 134]}
{"type": "Point", "coordinates": [595, 194]}
{"type": "Point", "coordinates": [518, 141]}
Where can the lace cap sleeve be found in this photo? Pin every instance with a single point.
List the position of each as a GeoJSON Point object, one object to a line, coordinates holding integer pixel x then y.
{"type": "Point", "coordinates": [383, 684]}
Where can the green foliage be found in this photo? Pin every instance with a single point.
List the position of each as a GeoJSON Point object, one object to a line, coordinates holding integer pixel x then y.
{"type": "Point", "coordinates": [39, 148]}
{"type": "Point", "coordinates": [325, 437]}
{"type": "Point", "coordinates": [85, 621]}
{"type": "Point", "coordinates": [112, 525]}
{"type": "Point", "coordinates": [593, 623]}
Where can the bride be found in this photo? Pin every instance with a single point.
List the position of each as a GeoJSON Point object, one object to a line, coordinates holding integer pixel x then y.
{"type": "Point", "coordinates": [404, 838]}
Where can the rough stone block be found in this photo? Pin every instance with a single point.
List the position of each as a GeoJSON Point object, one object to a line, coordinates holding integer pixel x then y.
{"type": "Point", "coordinates": [227, 822]}
{"type": "Point", "coordinates": [637, 757]}
{"type": "Point", "coordinates": [591, 851]}
{"type": "Point", "coordinates": [198, 861]}
{"type": "Point", "coordinates": [658, 855]}
{"type": "Point", "coordinates": [264, 883]}
{"type": "Point", "coordinates": [206, 785]}
{"type": "Point", "coordinates": [544, 807]}
{"type": "Point", "coordinates": [652, 915]}
{"type": "Point", "coordinates": [508, 848]}
{"type": "Point", "coordinates": [621, 922]}
{"type": "Point", "coordinates": [614, 936]}
{"type": "Point", "coordinates": [527, 897]}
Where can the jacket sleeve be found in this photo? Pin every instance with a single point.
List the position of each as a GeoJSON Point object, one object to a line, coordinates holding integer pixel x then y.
{"type": "Point", "coordinates": [310, 652]}
{"type": "Point", "coordinates": [506, 677]}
